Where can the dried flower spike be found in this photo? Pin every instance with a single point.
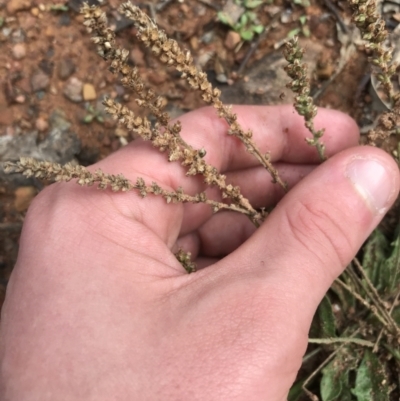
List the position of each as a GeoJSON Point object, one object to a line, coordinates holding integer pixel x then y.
{"type": "Point", "coordinates": [168, 51]}
{"type": "Point", "coordinates": [185, 259]}
{"type": "Point", "coordinates": [372, 27]}
{"type": "Point", "coordinates": [300, 84]}
{"type": "Point", "coordinates": [166, 139]}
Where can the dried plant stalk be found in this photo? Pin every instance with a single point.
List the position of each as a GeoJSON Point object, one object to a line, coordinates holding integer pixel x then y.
{"type": "Point", "coordinates": [57, 172]}
{"type": "Point", "coordinates": [167, 139]}
{"type": "Point", "coordinates": [300, 84]}
{"type": "Point", "coordinates": [185, 259]}
{"type": "Point", "coordinates": [169, 52]}
{"type": "Point", "coordinates": [372, 27]}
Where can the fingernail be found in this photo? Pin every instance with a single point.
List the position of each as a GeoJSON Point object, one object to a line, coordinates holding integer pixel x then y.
{"type": "Point", "coordinates": [372, 181]}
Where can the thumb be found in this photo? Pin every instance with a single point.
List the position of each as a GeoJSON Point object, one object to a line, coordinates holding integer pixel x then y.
{"type": "Point", "coordinates": [317, 229]}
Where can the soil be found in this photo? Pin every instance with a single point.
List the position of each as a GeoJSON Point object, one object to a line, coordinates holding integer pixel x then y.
{"type": "Point", "coordinates": [52, 79]}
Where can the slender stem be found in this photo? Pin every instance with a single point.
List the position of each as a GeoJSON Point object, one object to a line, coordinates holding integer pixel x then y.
{"type": "Point", "coordinates": [375, 297]}
{"type": "Point", "coordinates": [358, 341]}
{"type": "Point", "coordinates": [362, 300]}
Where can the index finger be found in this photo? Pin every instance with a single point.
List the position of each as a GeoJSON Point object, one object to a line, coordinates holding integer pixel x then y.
{"type": "Point", "coordinates": [278, 130]}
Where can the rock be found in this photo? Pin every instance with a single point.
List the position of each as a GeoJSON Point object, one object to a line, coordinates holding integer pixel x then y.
{"type": "Point", "coordinates": [39, 81]}
{"type": "Point", "coordinates": [14, 6]}
{"type": "Point", "coordinates": [35, 11]}
{"type": "Point", "coordinates": [232, 40]}
{"type": "Point", "coordinates": [65, 20]}
{"type": "Point", "coordinates": [18, 51]}
{"type": "Point", "coordinates": [66, 68]}
{"type": "Point", "coordinates": [232, 11]}
{"type": "Point", "coordinates": [73, 90]}
{"type": "Point", "coordinates": [59, 146]}
{"type": "Point", "coordinates": [23, 197]}
{"type": "Point", "coordinates": [266, 79]}
{"type": "Point", "coordinates": [58, 119]}
{"type": "Point", "coordinates": [20, 99]}
{"type": "Point", "coordinates": [41, 124]}
{"type": "Point", "coordinates": [89, 92]}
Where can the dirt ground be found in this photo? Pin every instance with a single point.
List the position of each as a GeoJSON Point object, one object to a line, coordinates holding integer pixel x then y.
{"type": "Point", "coordinates": [52, 81]}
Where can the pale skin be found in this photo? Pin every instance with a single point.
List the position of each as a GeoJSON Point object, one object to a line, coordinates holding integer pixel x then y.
{"type": "Point", "coordinates": [98, 308]}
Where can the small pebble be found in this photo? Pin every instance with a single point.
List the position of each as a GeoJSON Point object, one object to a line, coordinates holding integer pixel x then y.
{"type": "Point", "coordinates": [66, 68]}
{"type": "Point", "coordinates": [20, 99]}
{"type": "Point", "coordinates": [73, 90]}
{"type": "Point", "coordinates": [232, 40]}
{"type": "Point", "coordinates": [89, 92]}
{"type": "Point", "coordinates": [39, 81]}
{"type": "Point", "coordinates": [19, 51]}
{"type": "Point", "coordinates": [41, 124]}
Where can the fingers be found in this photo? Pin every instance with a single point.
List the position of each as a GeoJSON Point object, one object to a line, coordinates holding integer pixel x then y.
{"type": "Point", "coordinates": [276, 129]}
{"type": "Point", "coordinates": [316, 230]}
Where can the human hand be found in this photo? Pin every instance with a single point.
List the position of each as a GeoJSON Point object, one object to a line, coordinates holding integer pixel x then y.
{"type": "Point", "coordinates": [98, 307]}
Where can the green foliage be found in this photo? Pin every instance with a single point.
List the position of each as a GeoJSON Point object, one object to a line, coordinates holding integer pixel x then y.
{"type": "Point", "coordinates": [92, 115]}
{"type": "Point", "coordinates": [326, 319]}
{"type": "Point", "coordinates": [247, 25]}
{"type": "Point", "coordinates": [59, 7]}
{"type": "Point", "coordinates": [372, 381]}
{"type": "Point", "coordinates": [303, 29]}
{"type": "Point", "coordinates": [302, 3]}
{"type": "Point", "coordinates": [334, 379]}
{"type": "Point", "coordinates": [360, 338]}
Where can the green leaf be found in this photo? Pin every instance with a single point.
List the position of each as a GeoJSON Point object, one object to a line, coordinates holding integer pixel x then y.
{"type": "Point", "coordinates": [296, 391]}
{"type": "Point", "coordinates": [303, 19]}
{"type": "Point", "coordinates": [293, 33]}
{"type": "Point", "coordinates": [331, 382]}
{"type": "Point", "coordinates": [247, 35]}
{"type": "Point", "coordinates": [258, 29]}
{"type": "Point", "coordinates": [251, 16]}
{"type": "Point", "coordinates": [326, 318]}
{"type": "Point", "coordinates": [225, 18]}
{"type": "Point", "coordinates": [390, 270]}
{"type": "Point", "coordinates": [335, 382]}
{"type": "Point", "coordinates": [306, 31]}
{"type": "Point", "coordinates": [244, 19]}
{"type": "Point", "coordinates": [303, 3]}
{"type": "Point", "coordinates": [372, 381]}
{"type": "Point", "coordinates": [375, 253]}
{"type": "Point", "coordinates": [88, 118]}
{"type": "Point", "coordinates": [253, 3]}
{"type": "Point", "coordinates": [59, 7]}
